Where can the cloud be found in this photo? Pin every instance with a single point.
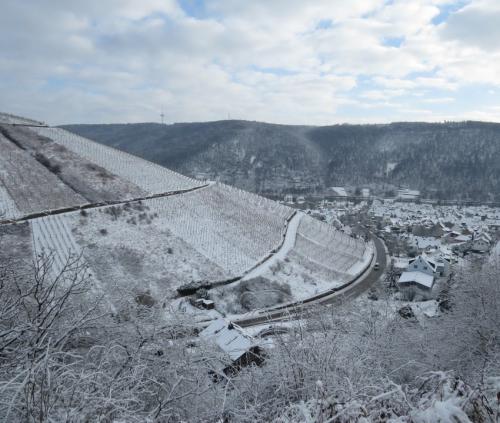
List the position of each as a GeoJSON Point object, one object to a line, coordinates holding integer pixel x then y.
{"type": "Point", "coordinates": [286, 61]}
{"type": "Point", "coordinates": [475, 25]}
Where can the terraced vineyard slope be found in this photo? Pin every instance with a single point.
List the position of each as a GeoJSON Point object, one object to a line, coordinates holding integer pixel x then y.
{"type": "Point", "coordinates": [144, 230]}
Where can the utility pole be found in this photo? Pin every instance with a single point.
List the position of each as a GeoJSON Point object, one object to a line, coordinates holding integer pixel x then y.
{"type": "Point", "coordinates": [162, 116]}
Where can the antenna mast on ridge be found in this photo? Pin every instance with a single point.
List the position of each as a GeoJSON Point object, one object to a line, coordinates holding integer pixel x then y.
{"type": "Point", "coordinates": [162, 116]}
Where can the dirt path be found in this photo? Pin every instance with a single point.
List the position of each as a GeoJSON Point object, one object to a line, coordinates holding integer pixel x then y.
{"type": "Point", "coordinates": [288, 244]}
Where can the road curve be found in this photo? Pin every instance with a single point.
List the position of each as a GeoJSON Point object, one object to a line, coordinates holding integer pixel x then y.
{"type": "Point", "coordinates": [333, 296]}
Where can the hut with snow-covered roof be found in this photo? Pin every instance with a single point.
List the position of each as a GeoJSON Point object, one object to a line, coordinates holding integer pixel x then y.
{"type": "Point", "coordinates": [238, 348]}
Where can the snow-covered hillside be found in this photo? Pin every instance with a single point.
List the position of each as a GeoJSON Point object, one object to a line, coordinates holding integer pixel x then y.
{"type": "Point", "coordinates": [146, 175]}
{"type": "Point", "coordinates": [143, 229]}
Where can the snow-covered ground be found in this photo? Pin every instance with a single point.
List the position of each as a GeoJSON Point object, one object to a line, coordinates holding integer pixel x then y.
{"type": "Point", "coordinates": [329, 247]}
{"type": "Point", "coordinates": [148, 176]}
{"type": "Point", "coordinates": [232, 228]}
{"type": "Point", "coordinates": [211, 234]}
{"type": "Point", "coordinates": [52, 236]}
{"type": "Point", "coordinates": [206, 233]}
{"type": "Point", "coordinates": [132, 252]}
{"type": "Point", "coordinates": [8, 208]}
{"type": "Point", "coordinates": [8, 118]}
{"type": "Point", "coordinates": [321, 258]}
{"type": "Point", "coordinates": [282, 253]}
{"type": "Point", "coordinates": [32, 187]}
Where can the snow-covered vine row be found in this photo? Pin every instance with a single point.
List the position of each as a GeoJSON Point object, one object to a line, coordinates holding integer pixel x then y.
{"type": "Point", "coordinates": [8, 209]}
{"type": "Point", "coordinates": [52, 237]}
{"type": "Point", "coordinates": [8, 118]}
{"type": "Point", "coordinates": [230, 227]}
{"type": "Point", "coordinates": [328, 247]}
{"type": "Point", "coordinates": [151, 177]}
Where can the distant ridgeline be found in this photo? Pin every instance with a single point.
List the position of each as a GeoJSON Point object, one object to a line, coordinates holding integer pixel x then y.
{"type": "Point", "coordinates": [441, 160]}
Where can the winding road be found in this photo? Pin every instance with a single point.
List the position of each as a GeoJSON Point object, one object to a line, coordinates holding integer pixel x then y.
{"type": "Point", "coordinates": [334, 296]}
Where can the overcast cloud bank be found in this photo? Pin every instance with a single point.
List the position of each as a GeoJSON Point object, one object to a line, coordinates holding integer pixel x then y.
{"type": "Point", "coordinates": [285, 61]}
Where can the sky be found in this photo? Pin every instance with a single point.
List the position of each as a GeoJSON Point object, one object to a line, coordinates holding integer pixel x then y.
{"type": "Point", "coordinates": [284, 61]}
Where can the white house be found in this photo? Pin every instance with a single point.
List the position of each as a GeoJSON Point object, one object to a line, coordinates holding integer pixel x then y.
{"type": "Point", "coordinates": [339, 191]}
{"type": "Point", "coordinates": [481, 243]}
{"type": "Point", "coordinates": [416, 285]}
{"type": "Point", "coordinates": [422, 264]}
{"type": "Point", "coordinates": [408, 194]}
{"type": "Point", "coordinates": [417, 280]}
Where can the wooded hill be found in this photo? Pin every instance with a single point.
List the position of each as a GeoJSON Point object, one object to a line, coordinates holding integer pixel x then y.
{"type": "Point", "coordinates": [443, 160]}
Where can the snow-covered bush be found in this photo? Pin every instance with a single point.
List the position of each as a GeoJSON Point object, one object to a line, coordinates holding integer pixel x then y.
{"type": "Point", "coordinates": [440, 398]}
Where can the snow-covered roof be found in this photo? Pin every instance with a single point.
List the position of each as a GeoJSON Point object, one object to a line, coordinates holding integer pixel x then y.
{"type": "Point", "coordinates": [228, 337]}
{"type": "Point", "coordinates": [340, 191]}
{"type": "Point", "coordinates": [401, 263]}
{"type": "Point", "coordinates": [417, 277]}
{"type": "Point", "coordinates": [484, 235]}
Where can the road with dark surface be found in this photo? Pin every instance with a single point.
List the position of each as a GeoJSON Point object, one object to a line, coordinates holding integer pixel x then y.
{"type": "Point", "coordinates": [334, 296]}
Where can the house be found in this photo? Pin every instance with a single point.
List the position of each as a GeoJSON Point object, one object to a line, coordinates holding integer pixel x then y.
{"type": "Point", "coordinates": [237, 347]}
{"type": "Point", "coordinates": [289, 198]}
{"type": "Point", "coordinates": [408, 194]}
{"type": "Point", "coordinates": [204, 304]}
{"type": "Point", "coordinates": [455, 237]}
{"type": "Point", "coordinates": [339, 191]}
{"type": "Point", "coordinates": [416, 285]}
{"type": "Point", "coordinates": [422, 264]}
{"type": "Point", "coordinates": [481, 243]}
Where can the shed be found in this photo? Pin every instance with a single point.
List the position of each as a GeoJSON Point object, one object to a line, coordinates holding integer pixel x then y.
{"type": "Point", "coordinates": [239, 348]}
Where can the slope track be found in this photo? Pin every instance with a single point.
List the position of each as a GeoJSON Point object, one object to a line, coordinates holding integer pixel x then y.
{"type": "Point", "coordinates": [334, 296]}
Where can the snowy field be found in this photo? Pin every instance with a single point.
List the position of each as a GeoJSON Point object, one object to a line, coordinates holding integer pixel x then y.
{"type": "Point", "coordinates": [8, 208]}
{"type": "Point", "coordinates": [31, 186]}
{"type": "Point", "coordinates": [52, 236]}
{"type": "Point", "coordinates": [322, 258]}
{"type": "Point", "coordinates": [157, 245]}
{"type": "Point", "coordinates": [148, 176]}
{"type": "Point", "coordinates": [132, 252]}
{"type": "Point", "coordinates": [319, 258]}
{"type": "Point", "coordinates": [329, 247]}
{"type": "Point", "coordinates": [150, 248]}
{"type": "Point", "coordinates": [8, 118]}
{"type": "Point", "coordinates": [92, 182]}
{"type": "Point", "coordinates": [16, 247]}
{"type": "Point", "coordinates": [232, 228]}
{"type": "Point", "coordinates": [126, 259]}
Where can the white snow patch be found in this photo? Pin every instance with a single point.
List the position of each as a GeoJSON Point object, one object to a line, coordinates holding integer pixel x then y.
{"type": "Point", "coordinates": [288, 244]}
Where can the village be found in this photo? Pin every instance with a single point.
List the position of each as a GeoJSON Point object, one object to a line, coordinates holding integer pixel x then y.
{"type": "Point", "coordinates": [426, 243]}
{"type": "Point", "coordinates": [427, 246]}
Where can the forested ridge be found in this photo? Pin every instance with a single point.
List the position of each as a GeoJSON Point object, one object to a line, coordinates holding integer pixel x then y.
{"type": "Point", "coordinates": [443, 160]}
